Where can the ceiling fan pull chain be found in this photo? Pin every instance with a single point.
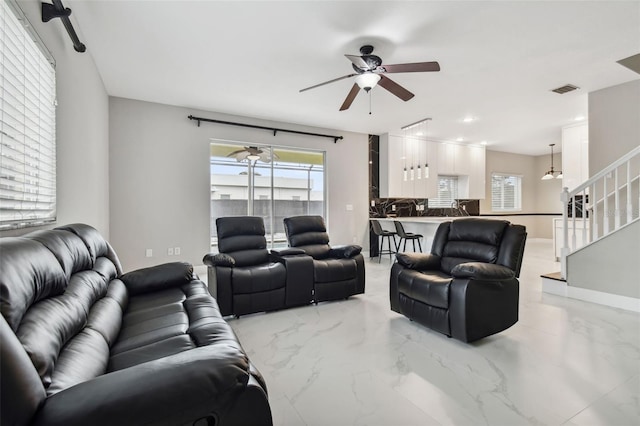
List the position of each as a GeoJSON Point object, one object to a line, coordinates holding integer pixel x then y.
{"type": "Point", "coordinates": [369, 102]}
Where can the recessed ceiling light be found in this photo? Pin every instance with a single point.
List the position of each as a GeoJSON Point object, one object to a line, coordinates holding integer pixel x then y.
{"type": "Point", "coordinates": [483, 143]}
{"type": "Point", "coordinates": [459, 139]}
{"type": "Point", "coordinates": [468, 119]}
{"type": "Point", "coordinates": [419, 134]}
{"type": "Point", "coordinates": [579, 118]}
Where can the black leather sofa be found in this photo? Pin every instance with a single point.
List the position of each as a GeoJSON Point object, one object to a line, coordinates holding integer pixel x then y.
{"type": "Point", "coordinates": [245, 278]}
{"type": "Point", "coordinates": [338, 272]}
{"type": "Point", "coordinates": [467, 287]}
{"type": "Point", "coordinates": [84, 344]}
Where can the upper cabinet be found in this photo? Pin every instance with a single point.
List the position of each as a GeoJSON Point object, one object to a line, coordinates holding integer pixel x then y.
{"type": "Point", "coordinates": [414, 155]}
{"type": "Point", "coordinates": [418, 157]}
{"type": "Point", "coordinates": [575, 155]}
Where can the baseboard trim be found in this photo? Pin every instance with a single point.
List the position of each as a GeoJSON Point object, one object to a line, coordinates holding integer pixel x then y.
{"type": "Point", "coordinates": [560, 288]}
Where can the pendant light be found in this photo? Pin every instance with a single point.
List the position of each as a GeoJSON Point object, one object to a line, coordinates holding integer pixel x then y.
{"type": "Point", "coordinates": [551, 173]}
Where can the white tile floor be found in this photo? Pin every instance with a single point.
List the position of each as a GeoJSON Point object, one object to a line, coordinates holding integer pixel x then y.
{"type": "Point", "coordinates": [356, 362]}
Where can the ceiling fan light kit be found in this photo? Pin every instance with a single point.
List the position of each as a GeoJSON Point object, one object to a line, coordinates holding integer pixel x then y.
{"type": "Point", "coordinates": [367, 81]}
{"type": "Point", "coordinates": [370, 72]}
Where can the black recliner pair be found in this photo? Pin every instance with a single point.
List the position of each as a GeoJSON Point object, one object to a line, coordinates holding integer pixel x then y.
{"type": "Point", "coordinates": [246, 278]}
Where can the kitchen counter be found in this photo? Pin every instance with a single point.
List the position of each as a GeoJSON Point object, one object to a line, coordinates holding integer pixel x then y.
{"type": "Point", "coordinates": [424, 225]}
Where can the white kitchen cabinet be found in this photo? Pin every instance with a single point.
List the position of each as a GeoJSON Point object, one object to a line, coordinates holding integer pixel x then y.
{"type": "Point", "coordinates": [396, 154]}
{"type": "Point", "coordinates": [449, 159]}
{"type": "Point", "coordinates": [468, 162]}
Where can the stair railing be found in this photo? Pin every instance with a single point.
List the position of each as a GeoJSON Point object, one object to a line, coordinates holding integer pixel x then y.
{"type": "Point", "coordinates": [606, 202]}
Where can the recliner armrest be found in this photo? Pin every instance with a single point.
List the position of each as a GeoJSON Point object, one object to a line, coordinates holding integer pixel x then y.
{"type": "Point", "coordinates": [219, 259]}
{"type": "Point", "coordinates": [288, 251]}
{"type": "Point", "coordinates": [158, 277]}
{"type": "Point", "coordinates": [419, 261]}
{"type": "Point", "coordinates": [346, 251]}
{"type": "Point", "coordinates": [482, 271]}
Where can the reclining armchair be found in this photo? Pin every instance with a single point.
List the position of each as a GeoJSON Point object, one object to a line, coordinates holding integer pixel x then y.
{"type": "Point", "coordinates": [338, 272]}
{"type": "Point", "coordinates": [467, 287]}
{"type": "Point", "coordinates": [245, 279]}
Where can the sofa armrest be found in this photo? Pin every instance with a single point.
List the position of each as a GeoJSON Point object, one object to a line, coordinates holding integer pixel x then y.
{"type": "Point", "coordinates": [419, 261]}
{"type": "Point", "coordinates": [174, 390]}
{"type": "Point", "coordinates": [347, 251]}
{"type": "Point", "coordinates": [158, 277]}
{"type": "Point", "coordinates": [219, 259]}
{"type": "Point", "coordinates": [482, 271]}
{"type": "Point", "coordinates": [288, 251]}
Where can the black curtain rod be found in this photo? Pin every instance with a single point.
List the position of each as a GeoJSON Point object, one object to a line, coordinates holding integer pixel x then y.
{"type": "Point", "coordinates": [273, 129]}
{"type": "Point", "coordinates": [57, 10]}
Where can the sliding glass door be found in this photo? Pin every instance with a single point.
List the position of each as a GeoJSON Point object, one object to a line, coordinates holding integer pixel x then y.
{"type": "Point", "coordinates": [266, 181]}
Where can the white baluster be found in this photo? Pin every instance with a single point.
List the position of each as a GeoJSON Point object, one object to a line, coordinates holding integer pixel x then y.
{"type": "Point", "coordinates": [594, 216]}
{"type": "Point", "coordinates": [564, 252]}
{"type": "Point", "coordinates": [616, 198]}
{"type": "Point", "coordinates": [605, 200]}
{"type": "Point", "coordinates": [629, 207]}
{"type": "Point", "coordinates": [584, 217]}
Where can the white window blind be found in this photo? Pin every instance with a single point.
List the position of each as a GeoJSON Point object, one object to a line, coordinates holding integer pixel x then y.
{"type": "Point", "coordinates": [447, 192]}
{"type": "Point", "coordinates": [27, 126]}
{"type": "Point", "coordinates": [506, 192]}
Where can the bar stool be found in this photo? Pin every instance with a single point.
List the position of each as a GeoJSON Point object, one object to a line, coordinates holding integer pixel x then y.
{"type": "Point", "coordinates": [377, 229]}
{"type": "Point", "coordinates": [407, 236]}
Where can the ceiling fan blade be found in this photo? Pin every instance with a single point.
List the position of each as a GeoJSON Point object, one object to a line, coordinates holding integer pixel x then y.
{"type": "Point", "coordinates": [415, 67]}
{"type": "Point", "coordinates": [350, 97]}
{"type": "Point", "coordinates": [327, 82]}
{"type": "Point", "coordinates": [395, 88]}
{"type": "Point", "coordinates": [358, 61]}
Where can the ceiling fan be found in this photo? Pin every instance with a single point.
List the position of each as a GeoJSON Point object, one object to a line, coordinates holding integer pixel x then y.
{"type": "Point", "coordinates": [253, 153]}
{"type": "Point", "coordinates": [369, 71]}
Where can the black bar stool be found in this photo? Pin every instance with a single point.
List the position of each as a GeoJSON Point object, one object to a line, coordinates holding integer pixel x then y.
{"type": "Point", "coordinates": [377, 229]}
{"type": "Point", "coordinates": [407, 236]}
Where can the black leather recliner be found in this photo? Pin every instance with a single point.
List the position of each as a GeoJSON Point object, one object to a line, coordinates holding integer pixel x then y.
{"type": "Point", "coordinates": [467, 287]}
{"type": "Point", "coordinates": [245, 279]}
{"type": "Point", "coordinates": [338, 272]}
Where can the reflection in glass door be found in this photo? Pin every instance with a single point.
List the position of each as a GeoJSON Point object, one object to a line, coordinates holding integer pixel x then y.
{"type": "Point", "coordinates": [270, 182]}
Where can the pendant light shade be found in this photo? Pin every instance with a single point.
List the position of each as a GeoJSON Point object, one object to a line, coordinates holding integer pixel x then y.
{"type": "Point", "coordinates": [552, 174]}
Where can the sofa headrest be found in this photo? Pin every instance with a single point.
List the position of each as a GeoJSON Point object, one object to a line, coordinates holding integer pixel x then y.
{"type": "Point", "coordinates": [479, 230]}
{"type": "Point", "coordinates": [468, 240]}
{"type": "Point", "coordinates": [242, 237]}
{"type": "Point", "coordinates": [29, 272]}
{"type": "Point", "coordinates": [306, 231]}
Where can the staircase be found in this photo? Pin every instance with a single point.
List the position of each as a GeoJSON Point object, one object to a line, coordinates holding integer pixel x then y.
{"type": "Point", "coordinates": [606, 204]}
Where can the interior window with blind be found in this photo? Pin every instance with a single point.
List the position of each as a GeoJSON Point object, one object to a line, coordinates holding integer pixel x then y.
{"type": "Point", "coordinates": [27, 125]}
{"type": "Point", "coordinates": [447, 192]}
{"type": "Point", "coordinates": [506, 192]}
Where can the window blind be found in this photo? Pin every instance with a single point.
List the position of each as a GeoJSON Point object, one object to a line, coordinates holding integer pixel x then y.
{"type": "Point", "coordinates": [447, 192]}
{"type": "Point", "coordinates": [506, 192]}
{"type": "Point", "coordinates": [27, 126]}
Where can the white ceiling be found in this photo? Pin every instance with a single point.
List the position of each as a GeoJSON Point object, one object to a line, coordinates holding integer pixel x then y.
{"type": "Point", "coordinates": [499, 60]}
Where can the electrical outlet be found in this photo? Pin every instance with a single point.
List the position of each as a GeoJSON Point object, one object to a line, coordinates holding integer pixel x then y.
{"type": "Point", "coordinates": [349, 207]}
{"type": "Point", "coordinates": [393, 208]}
{"type": "Point", "coordinates": [170, 251]}
{"type": "Point", "coordinates": [148, 253]}
{"type": "Point", "coordinates": [176, 251]}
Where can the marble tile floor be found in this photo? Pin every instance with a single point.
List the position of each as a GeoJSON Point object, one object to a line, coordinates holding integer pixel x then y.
{"type": "Point", "coordinates": [355, 362]}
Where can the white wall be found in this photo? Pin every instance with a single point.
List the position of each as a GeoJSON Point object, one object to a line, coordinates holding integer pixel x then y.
{"type": "Point", "coordinates": [614, 124]}
{"type": "Point", "coordinates": [82, 129]}
{"type": "Point", "coordinates": [538, 196]}
{"type": "Point", "coordinates": [594, 268]}
{"type": "Point", "coordinates": [159, 178]}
